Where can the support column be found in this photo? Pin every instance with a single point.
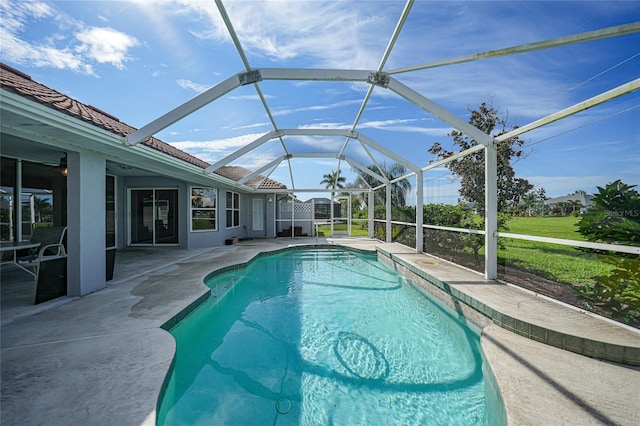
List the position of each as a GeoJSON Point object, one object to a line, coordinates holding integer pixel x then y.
{"type": "Point", "coordinates": [389, 227]}
{"type": "Point", "coordinates": [331, 217]}
{"type": "Point", "coordinates": [293, 215]}
{"type": "Point", "coordinates": [419, 211]}
{"type": "Point", "coordinates": [59, 186]}
{"type": "Point", "coordinates": [491, 212]}
{"type": "Point", "coordinates": [371, 214]}
{"type": "Point", "coordinates": [86, 261]}
{"type": "Point", "coordinates": [17, 200]}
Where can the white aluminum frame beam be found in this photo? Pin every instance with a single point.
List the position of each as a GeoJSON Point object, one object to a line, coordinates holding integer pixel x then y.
{"type": "Point", "coordinates": [264, 168]}
{"type": "Point", "coordinates": [440, 112]}
{"type": "Point", "coordinates": [297, 190]}
{"type": "Point", "coordinates": [314, 74]}
{"type": "Point", "coordinates": [616, 92]}
{"type": "Point", "coordinates": [615, 31]}
{"type": "Point", "coordinates": [311, 132]}
{"type": "Point", "coordinates": [183, 110]}
{"type": "Point", "coordinates": [245, 149]}
{"type": "Point", "coordinates": [356, 165]}
{"type": "Point", "coordinates": [370, 142]}
{"type": "Point", "coordinates": [385, 56]}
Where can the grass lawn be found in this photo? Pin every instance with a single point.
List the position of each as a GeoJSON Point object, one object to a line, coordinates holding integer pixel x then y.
{"type": "Point", "coordinates": [558, 263]}
{"type": "Point", "coordinates": [357, 229]}
{"type": "Point", "coordinates": [546, 226]}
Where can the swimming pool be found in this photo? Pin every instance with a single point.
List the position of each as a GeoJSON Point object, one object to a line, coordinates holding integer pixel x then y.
{"type": "Point", "coordinates": [320, 337]}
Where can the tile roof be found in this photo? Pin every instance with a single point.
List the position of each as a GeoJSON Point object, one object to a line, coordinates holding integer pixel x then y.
{"type": "Point", "coordinates": [22, 84]}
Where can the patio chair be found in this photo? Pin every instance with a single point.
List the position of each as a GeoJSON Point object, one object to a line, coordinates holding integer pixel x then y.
{"type": "Point", "coordinates": [51, 241]}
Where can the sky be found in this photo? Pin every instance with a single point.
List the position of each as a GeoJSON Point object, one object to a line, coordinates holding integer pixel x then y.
{"type": "Point", "coordinates": [137, 60]}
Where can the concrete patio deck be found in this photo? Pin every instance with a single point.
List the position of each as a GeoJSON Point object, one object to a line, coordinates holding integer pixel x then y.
{"type": "Point", "coordinates": [101, 359]}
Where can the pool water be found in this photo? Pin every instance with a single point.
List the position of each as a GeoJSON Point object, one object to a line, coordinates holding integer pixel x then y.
{"type": "Point", "coordinates": [320, 337]}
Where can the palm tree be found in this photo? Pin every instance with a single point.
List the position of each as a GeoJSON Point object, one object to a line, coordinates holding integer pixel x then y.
{"type": "Point", "coordinates": [399, 190]}
{"type": "Point", "coordinates": [529, 200]}
{"type": "Point", "coordinates": [333, 180]}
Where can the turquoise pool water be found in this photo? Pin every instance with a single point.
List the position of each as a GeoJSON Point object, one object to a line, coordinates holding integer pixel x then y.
{"type": "Point", "coordinates": [320, 337]}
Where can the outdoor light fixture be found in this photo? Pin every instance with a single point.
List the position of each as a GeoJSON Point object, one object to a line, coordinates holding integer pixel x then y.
{"type": "Point", "coordinates": [63, 166]}
{"type": "Point", "coordinates": [269, 200]}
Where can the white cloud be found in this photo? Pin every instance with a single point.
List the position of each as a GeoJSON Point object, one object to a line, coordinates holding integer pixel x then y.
{"type": "Point", "coordinates": [56, 49]}
{"type": "Point", "coordinates": [390, 125]}
{"type": "Point", "coordinates": [253, 126]}
{"type": "Point", "coordinates": [331, 36]}
{"type": "Point", "coordinates": [217, 145]}
{"type": "Point", "coordinates": [190, 85]}
{"type": "Point", "coordinates": [325, 126]}
{"type": "Point", "coordinates": [21, 52]}
{"type": "Point", "coordinates": [106, 45]}
{"type": "Point", "coordinates": [38, 9]}
{"type": "Point", "coordinates": [287, 111]}
{"type": "Point", "coordinates": [250, 97]}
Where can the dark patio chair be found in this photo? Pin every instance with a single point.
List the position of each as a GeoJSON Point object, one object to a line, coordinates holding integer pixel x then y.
{"type": "Point", "coordinates": [51, 247]}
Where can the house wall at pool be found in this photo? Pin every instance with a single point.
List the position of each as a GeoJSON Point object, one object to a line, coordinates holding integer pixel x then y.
{"type": "Point", "coordinates": [188, 238]}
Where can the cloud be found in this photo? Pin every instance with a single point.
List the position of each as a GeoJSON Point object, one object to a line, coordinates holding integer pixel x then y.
{"type": "Point", "coordinates": [56, 49]}
{"type": "Point", "coordinates": [315, 108]}
{"type": "Point", "coordinates": [106, 45]}
{"type": "Point", "coordinates": [250, 97]}
{"type": "Point", "coordinates": [331, 36]}
{"type": "Point", "coordinates": [190, 85]}
{"type": "Point", "coordinates": [395, 125]}
{"type": "Point", "coordinates": [15, 50]}
{"type": "Point", "coordinates": [325, 126]}
{"type": "Point", "coordinates": [253, 126]}
{"type": "Point", "coordinates": [218, 145]}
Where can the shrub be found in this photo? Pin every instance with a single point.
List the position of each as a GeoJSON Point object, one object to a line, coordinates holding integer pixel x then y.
{"type": "Point", "coordinates": [614, 216]}
{"type": "Point", "coordinates": [617, 293]}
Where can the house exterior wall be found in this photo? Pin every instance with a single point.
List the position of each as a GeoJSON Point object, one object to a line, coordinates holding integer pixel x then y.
{"type": "Point", "coordinates": [187, 237]}
{"type": "Point", "coordinates": [155, 182]}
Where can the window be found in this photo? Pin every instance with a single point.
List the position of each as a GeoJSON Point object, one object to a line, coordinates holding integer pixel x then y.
{"type": "Point", "coordinates": [233, 209]}
{"type": "Point", "coordinates": [204, 209]}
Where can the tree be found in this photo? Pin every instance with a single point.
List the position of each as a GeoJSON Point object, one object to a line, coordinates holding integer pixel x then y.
{"type": "Point", "coordinates": [562, 205]}
{"type": "Point", "coordinates": [470, 168]}
{"type": "Point", "coordinates": [529, 202]}
{"type": "Point", "coordinates": [399, 190]}
{"type": "Point", "coordinates": [43, 208]}
{"type": "Point", "coordinates": [333, 180]}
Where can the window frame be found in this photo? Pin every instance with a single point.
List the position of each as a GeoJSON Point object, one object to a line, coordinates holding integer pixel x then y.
{"type": "Point", "coordinates": [234, 209]}
{"type": "Point", "coordinates": [193, 209]}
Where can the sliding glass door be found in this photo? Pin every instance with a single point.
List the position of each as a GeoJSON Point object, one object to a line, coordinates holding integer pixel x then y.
{"type": "Point", "coordinates": [153, 216]}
